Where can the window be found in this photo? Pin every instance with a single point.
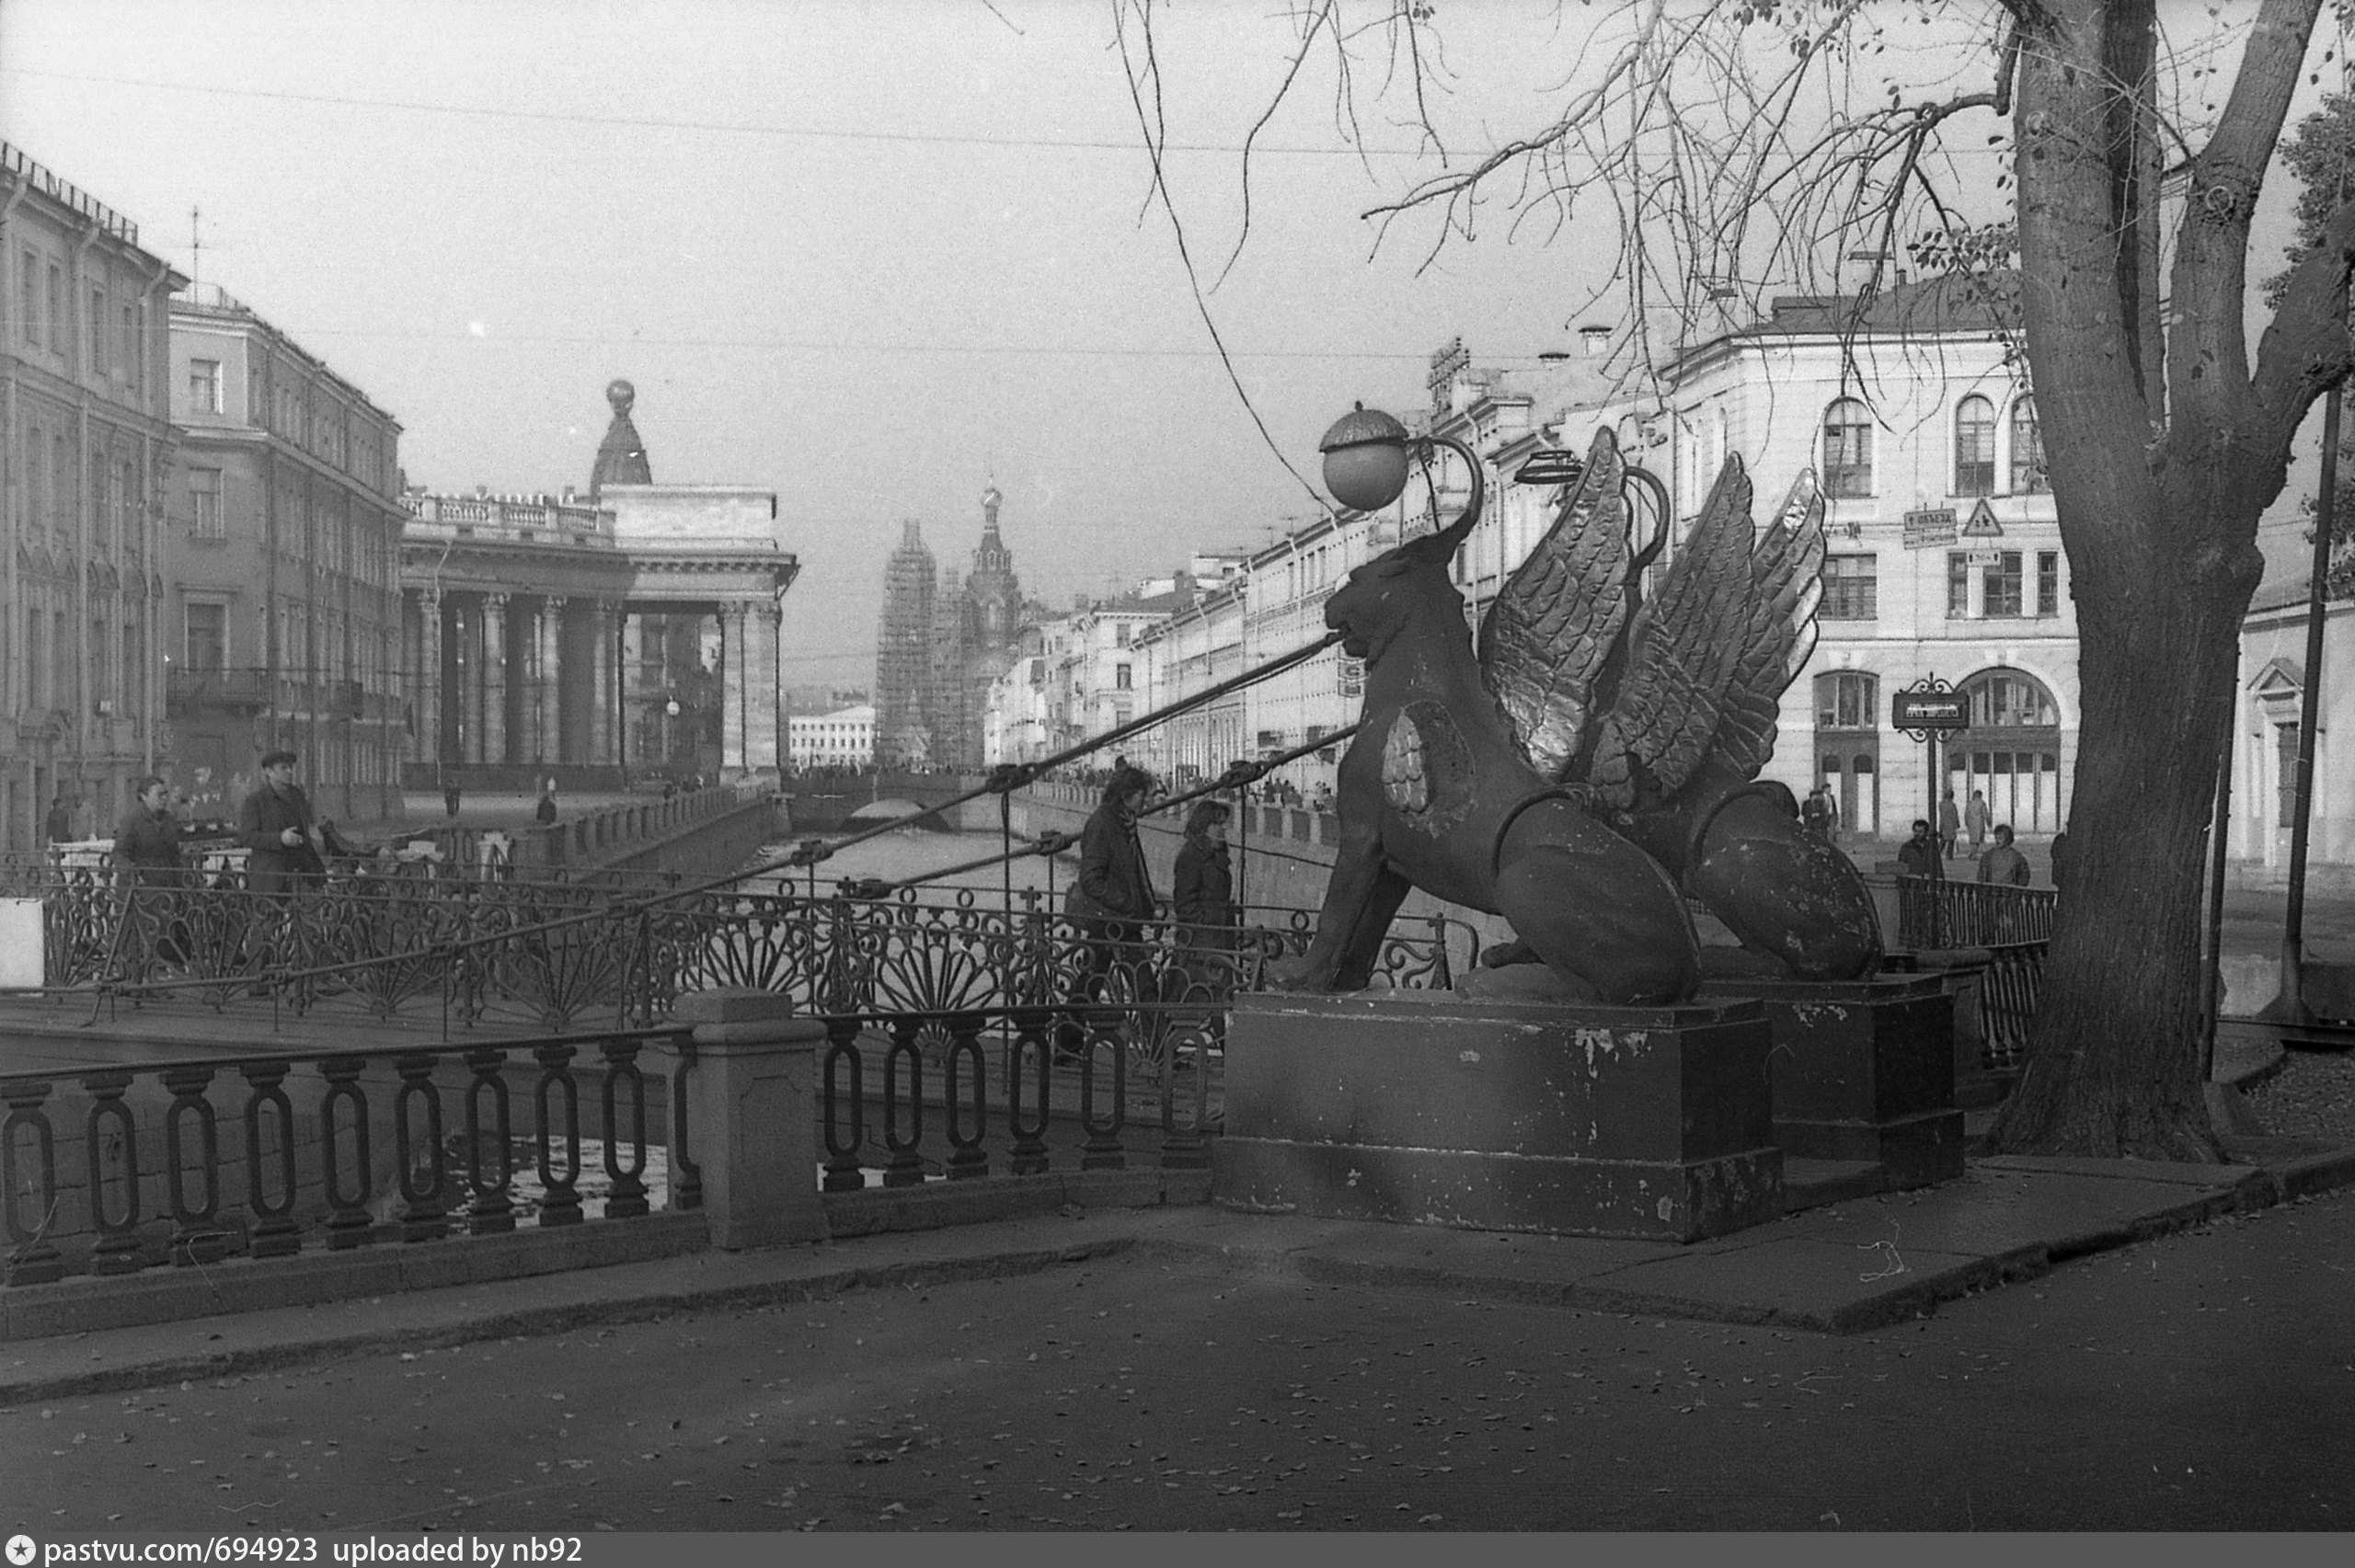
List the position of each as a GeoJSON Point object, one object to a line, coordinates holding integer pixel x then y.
{"type": "Point", "coordinates": [1974, 447]}
{"type": "Point", "coordinates": [2029, 477]}
{"type": "Point", "coordinates": [28, 296]}
{"type": "Point", "coordinates": [204, 511]}
{"type": "Point", "coordinates": [1121, 678]}
{"type": "Point", "coordinates": [96, 363]}
{"type": "Point", "coordinates": [2048, 582]}
{"type": "Point", "coordinates": [60, 326]}
{"type": "Point", "coordinates": [204, 386]}
{"type": "Point", "coordinates": [126, 347]}
{"type": "Point", "coordinates": [1958, 586]}
{"type": "Point", "coordinates": [1847, 699]}
{"type": "Point", "coordinates": [1851, 591]}
{"type": "Point", "coordinates": [2009, 702]}
{"type": "Point", "coordinates": [1847, 449]}
{"type": "Point", "coordinates": [2003, 585]}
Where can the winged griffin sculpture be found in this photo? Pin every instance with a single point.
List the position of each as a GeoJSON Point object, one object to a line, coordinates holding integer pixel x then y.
{"type": "Point", "coordinates": [1597, 759]}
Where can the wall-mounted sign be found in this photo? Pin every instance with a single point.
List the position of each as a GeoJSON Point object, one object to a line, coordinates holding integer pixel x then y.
{"type": "Point", "coordinates": [1924, 530]}
{"type": "Point", "coordinates": [1929, 710]}
{"type": "Point", "coordinates": [1982, 556]}
{"type": "Point", "coordinates": [1983, 523]}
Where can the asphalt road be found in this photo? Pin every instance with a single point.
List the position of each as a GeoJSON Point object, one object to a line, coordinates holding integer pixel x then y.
{"type": "Point", "coordinates": [2204, 1380]}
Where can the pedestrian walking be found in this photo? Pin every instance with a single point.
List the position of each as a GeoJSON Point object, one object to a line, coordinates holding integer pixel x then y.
{"type": "Point", "coordinates": [275, 824]}
{"type": "Point", "coordinates": [59, 825]}
{"type": "Point", "coordinates": [1949, 824]}
{"type": "Point", "coordinates": [449, 800]}
{"type": "Point", "coordinates": [2004, 864]}
{"type": "Point", "coordinates": [1976, 818]}
{"type": "Point", "coordinates": [1831, 814]}
{"type": "Point", "coordinates": [1113, 898]}
{"type": "Point", "coordinates": [546, 811]}
{"type": "Point", "coordinates": [149, 869]}
{"type": "Point", "coordinates": [1201, 894]}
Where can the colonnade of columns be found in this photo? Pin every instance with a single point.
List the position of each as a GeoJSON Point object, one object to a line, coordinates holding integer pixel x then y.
{"type": "Point", "coordinates": [513, 679]}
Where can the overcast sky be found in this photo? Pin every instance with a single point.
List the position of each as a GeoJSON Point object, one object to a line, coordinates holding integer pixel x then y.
{"type": "Point", "coordinates": [873, 257]}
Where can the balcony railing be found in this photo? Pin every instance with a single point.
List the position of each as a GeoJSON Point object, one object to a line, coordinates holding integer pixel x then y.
{"type": "Point", "coordinates": [189, 691]}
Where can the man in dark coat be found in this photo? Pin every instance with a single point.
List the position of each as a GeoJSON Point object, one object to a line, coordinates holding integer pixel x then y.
{"type": "Point", "coordinates": [1114, 894]}
{"type": "Point", "coordinates": [274, 823]}
{"type": "Point", "coordinates": [60, 825]}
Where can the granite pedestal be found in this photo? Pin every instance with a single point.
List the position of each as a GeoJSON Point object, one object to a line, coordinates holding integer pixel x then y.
{"type": "Point", "coordinates": [1431, 1109]}
{"type": "Point", "coordinates": [1863, 1069]}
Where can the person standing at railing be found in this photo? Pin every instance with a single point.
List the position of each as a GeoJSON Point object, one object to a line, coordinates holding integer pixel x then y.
{"type": "Point", "coordinates": [59, 827]}
{"type": "Point", "coordinates": [1919, 856]}
{"type": "Point", "coordinates": [1113, 898]}
{"type": "Point", "coordinates": [1202, 895]}
{"type": "Point", "coordinates": [2004, 863]}
{"type": "Point", "coordinates": [544, 813]}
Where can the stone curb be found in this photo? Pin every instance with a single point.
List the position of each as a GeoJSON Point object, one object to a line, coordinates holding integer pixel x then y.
{"type": "Point", "coordinates": [557, 1318]}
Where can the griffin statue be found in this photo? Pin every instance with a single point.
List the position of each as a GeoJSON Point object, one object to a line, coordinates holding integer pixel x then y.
{"type": "Point", "coordinates": [1596, 761]}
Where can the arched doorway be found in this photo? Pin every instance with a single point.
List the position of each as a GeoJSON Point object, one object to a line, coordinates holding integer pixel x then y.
{"type": "Point", "coordinates": [1847, 746]}
{"type": "Point", "coordinates": [2011, 752]}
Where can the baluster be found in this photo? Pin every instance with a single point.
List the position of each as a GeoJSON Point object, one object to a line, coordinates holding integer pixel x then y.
{"type": "Point", "coordinates": [349, 1224]}
{"type": "Point", "coordinates": [1029, 1043]}
{"type": "Point", "coordinates": [964, 1055]}
{"type": "Point", "coordinates": [905, 1168]}
{"type": "Point", "coordinates": [562, 1204]}
{"type": "Point", "coordinates": [1181, 1137]}
{"type": "Point", "coordinates": [33, 1259]}
{"type": "Point", "coordinates": [424, 1214]}
{"type": "Point", "coordinates": [117, 1246]}
{"type": "Point", "coordinates": [687, 1177]}
{"type": "Point", "coordinates": [195, 1237]}
{"type": "Point", "coordinates": [1101, 1151]}
{"type": "Point", "coordinates": [843, 1171]}
{"type": "Point", "coordinates": [627, 1197]}
{"type": "Point", "coordinates": [489, 1211]}
{"type": "Point", "coordinates": [273, 1234]}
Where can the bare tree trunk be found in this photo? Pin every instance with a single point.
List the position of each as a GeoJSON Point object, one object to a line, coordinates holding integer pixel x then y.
{"type": "Point", "coordinates": [2160, 471]}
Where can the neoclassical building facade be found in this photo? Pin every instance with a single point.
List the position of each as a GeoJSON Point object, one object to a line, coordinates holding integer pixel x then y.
{"type": "Point", "coordinates": [626, 634]}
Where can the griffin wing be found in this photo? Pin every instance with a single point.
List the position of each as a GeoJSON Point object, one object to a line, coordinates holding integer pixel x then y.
{"type": "Point", "coordinates": [1686, 643]}
{"type": "Point", "coordinates": [1545, 637]}
{"type": "Point", "coordinates": [1786, 587]}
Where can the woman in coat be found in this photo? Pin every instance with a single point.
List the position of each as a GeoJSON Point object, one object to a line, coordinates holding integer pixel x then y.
{"type": "Point", "coordinates": [1201, 897]}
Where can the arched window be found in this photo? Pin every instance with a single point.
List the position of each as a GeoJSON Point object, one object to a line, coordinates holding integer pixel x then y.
{"type": "Point", "coordinates": [2028, 451]}
{"type": "Point", "coordinates": [1847, 699]}
{"type": "Point", "coordinates": [1974, 447]}
{"type": "Point", "coordinates": [1847, 449]}
{"type": "Point", "coordinates": [2010, 755]}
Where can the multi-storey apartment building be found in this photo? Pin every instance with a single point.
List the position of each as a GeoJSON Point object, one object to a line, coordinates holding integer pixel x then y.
{"type": "Point", "coordinates": [285, 526]}
{"type": "Point", "coordinates": [1945, 556]}
{"type": "Point", "coordinates": [85, 440]}
{"type": "Point", "coordinates": [843, 737]}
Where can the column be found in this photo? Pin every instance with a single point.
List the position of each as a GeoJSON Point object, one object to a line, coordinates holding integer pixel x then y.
{"type": "Point", "coordinates": [734, 695]}
{"type": "Point", "coordinates": [603, 624]}
{"type": "Point", "coordinates": [547, 731]}
{"type": "Point", "coordinates": [494, 677]}
{"type": "Point", "coordinates": [425, 690]}
{"type": "Point", "coordinates": [465, 625]}
{"type": "Point", "coordinates": [763, 730]}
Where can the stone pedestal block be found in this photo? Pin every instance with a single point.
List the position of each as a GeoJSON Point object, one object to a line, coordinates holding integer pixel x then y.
{"type": "Point", "coordinates": [751, 1116]}
{"type": "Point", "coordinates": [1863, 1069]}
{"type": "Point", "coordinates": [1431, 1109]}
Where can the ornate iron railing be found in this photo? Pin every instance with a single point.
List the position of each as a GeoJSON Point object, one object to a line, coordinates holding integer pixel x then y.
{"type": "Point", "coordinates": [554, 956]}
{"type": "Point", "coordinates": [1932, 912]}
{"type": "Point", "coordinates": [190, 1161]}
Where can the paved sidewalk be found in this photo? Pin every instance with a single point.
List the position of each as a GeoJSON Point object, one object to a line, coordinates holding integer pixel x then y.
{"type": "Point", "coordinates": [1844, 1267]}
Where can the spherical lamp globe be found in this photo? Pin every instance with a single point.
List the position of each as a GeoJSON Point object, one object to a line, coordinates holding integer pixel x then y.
{"type": "Point", "coordinates": [1365, 459]}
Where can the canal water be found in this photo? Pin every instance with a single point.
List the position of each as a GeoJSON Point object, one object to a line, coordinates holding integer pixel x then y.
{"type": "Point", "coordinates": [907, 854]}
